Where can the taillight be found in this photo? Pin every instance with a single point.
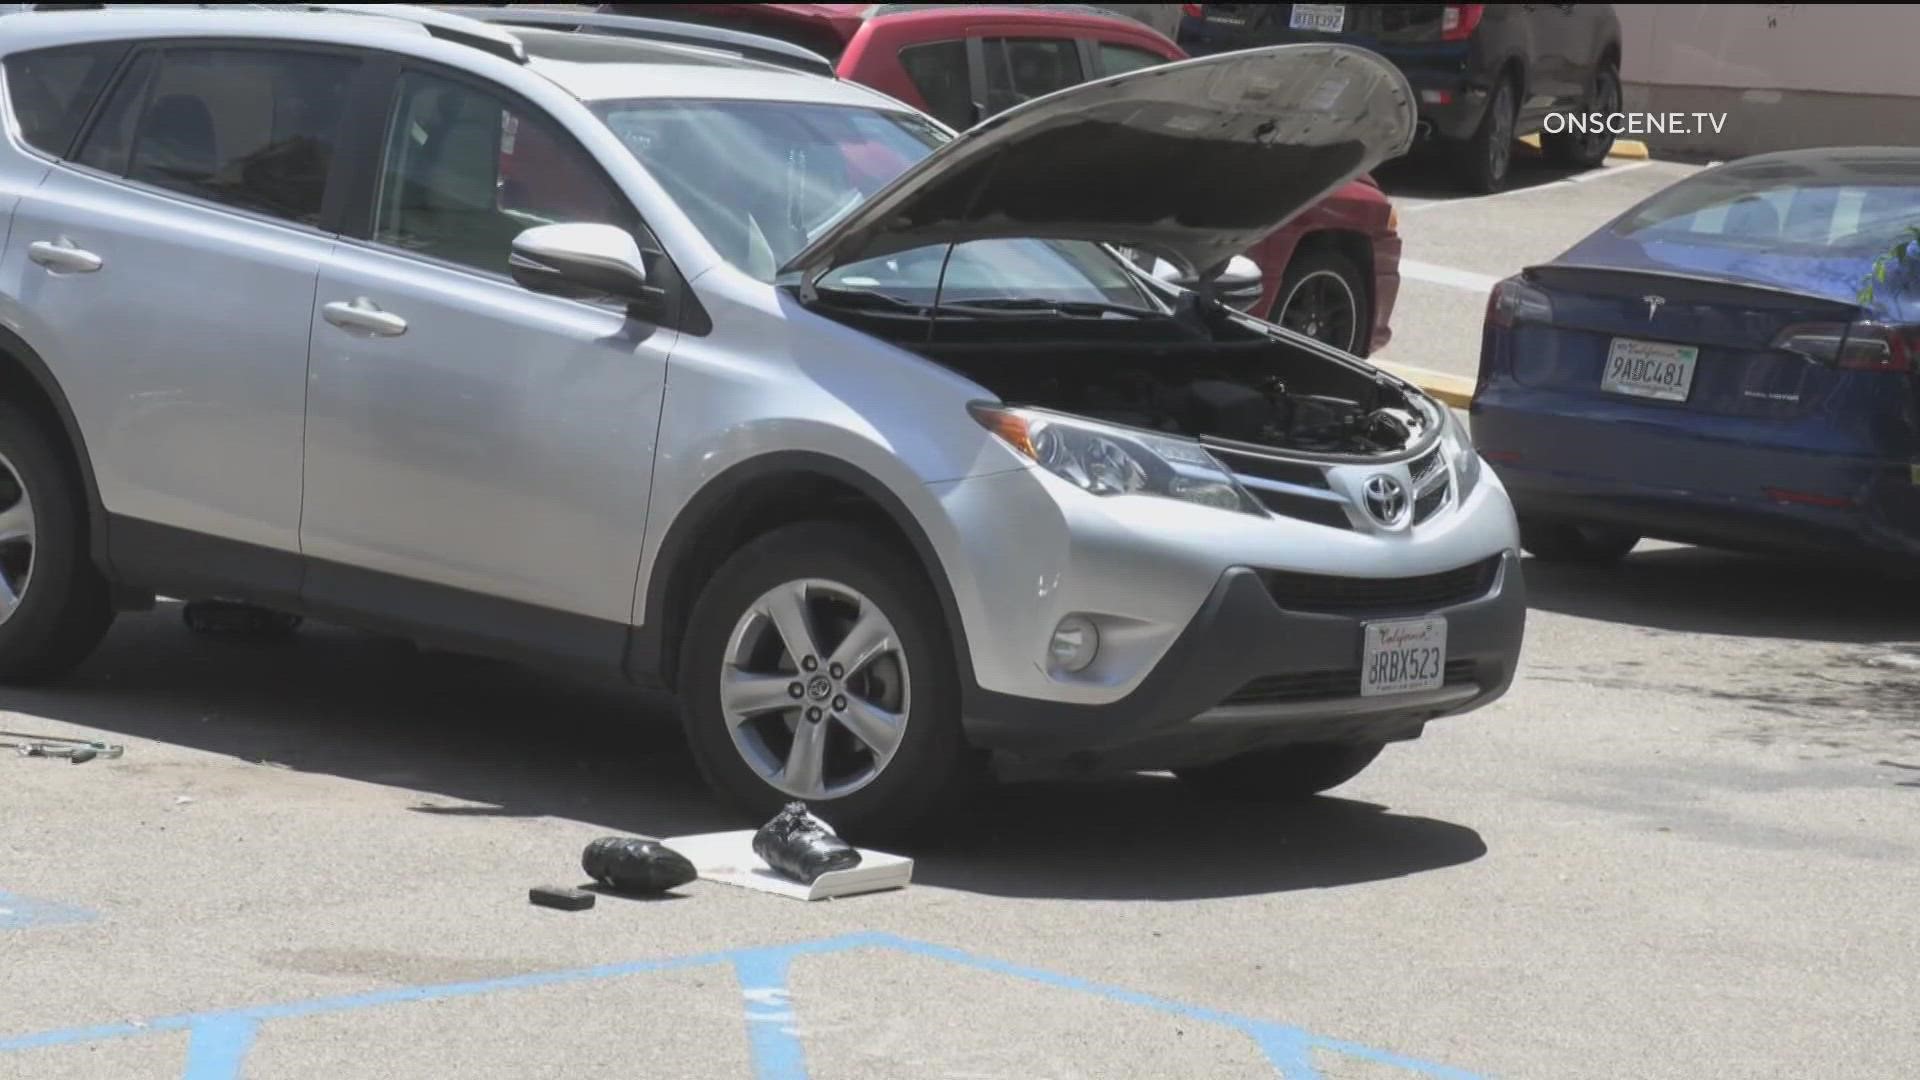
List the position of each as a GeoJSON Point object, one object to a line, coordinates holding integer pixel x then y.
{"type": "Point", "coordinates": [1513, 300]}
{"type": "Point", "coordinates": [1193, 11]}
{"type": "Point", "coordinates": [1859, 346]}
{"type": "Point", "coordinates": [1457, 21]}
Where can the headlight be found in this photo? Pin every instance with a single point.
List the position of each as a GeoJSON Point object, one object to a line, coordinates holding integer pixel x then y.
{"type": "Point", "coordinates": [1102, 459]}
{"type": "Point", "coordinates": [1466, 460]}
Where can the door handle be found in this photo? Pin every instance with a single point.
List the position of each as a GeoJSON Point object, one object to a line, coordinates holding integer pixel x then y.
{"type": "Point", "coordinates": [63, 256]}
{"type": "Point", "coordinates": [363, 314]}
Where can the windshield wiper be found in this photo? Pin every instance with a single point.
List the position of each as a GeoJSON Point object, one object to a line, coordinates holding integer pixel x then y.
{"type": "Point", "coordinates": [1023, 304]}
{"type": "Point", "coordinates": [867, 298]}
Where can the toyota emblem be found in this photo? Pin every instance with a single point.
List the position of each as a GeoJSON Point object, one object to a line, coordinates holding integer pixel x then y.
{"type": "Point", "coordinates": [1386, 499]}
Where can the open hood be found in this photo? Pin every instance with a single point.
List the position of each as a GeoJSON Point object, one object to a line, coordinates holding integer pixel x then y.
{"type": "Point", "coordinates": [1195, 161]}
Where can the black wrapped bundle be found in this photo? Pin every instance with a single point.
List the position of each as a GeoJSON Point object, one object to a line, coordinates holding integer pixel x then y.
{"type": "Point", "coordinates": [801, 846]}
{"type": "Point", "coordinates": [636, 864]}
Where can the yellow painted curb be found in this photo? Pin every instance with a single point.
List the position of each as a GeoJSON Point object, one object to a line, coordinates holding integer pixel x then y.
{"type": "Point", "coordinates": [1622, 148]}
{"type": "Point", "coordinates": [1453, 390]}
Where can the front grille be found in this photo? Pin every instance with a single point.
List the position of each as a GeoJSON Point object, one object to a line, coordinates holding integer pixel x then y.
{"type": "Point", "coordinates": [1426, 505]}
{"type": "Point", "coordinates": [1421, 468]}
{"type": "Point", "coordinates": [1327, 594]}
{"type": "Point", "coordinates": [1288, 488]}
{"type": "Point", "coordinates": [1324, 685]}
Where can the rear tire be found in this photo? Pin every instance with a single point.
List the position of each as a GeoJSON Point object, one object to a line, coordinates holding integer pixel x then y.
{"type": "Point", "coordinates": [1586, 151]}
{"type": "Point", "coordinates": [63, 604]}
{"type": "Point", "coordinates": [929, 769]}
{"type": "Point", "coordinates": [1283, 774]}
{"type": "Point", "coordinates": [1328, 298]}
{"type": "Point", "coordinates": [1484, 161]}
{"type": "Point", "coordinates": [1575, 543]}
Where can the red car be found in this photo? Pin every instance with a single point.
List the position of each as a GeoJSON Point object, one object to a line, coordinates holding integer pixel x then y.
{"type": "Point", "coordinates": [1329, 273]}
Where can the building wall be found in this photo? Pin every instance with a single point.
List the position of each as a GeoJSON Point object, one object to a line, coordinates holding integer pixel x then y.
{"type": "Point", "coordinates": [1786, 75]}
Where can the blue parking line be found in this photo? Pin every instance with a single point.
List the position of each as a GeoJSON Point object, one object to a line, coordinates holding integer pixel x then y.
{"type": "Point", "coordinates": [20, 913]}
{"type": "Point", "coordinates": [220, 1039]}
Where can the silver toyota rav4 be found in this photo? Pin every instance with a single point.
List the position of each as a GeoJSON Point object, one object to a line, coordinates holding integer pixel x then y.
{"type": "Point", "coordinates": [677, 364]}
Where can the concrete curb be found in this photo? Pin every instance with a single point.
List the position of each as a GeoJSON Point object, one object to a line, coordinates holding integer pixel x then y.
{"type": "Point", "coordinates": [1622, 148]}
{"type": "Point", "coordinates": [1455, 391]}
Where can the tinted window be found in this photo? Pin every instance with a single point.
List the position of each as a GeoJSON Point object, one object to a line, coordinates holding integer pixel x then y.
{"type": "Point", "coordinates": [251, 128]}
{"type": "Point", "coordinates": [939, 72]}
{"type": "Point", "coordinates": [1120, 59]}
{"type": "Point", "coordinates": [1841, 205]}
{"type": "Point", "coordinates": [465, 172]}
{"type": "Point", "coordinates": [112, 135]}
{"type": "Point", "coordinates": [1021, 69]}
{"type": "Point", "coordinates": [51, 90]}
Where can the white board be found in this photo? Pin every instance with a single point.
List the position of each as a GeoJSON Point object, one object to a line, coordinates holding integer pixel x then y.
{"type": "Point", "coordinates": [727, 857]}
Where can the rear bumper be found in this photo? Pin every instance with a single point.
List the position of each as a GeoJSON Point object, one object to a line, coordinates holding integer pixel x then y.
{"type": "Point", "coordinates": [1307, 666]}
{"type": "Point", "coordinates": [1688, 488]}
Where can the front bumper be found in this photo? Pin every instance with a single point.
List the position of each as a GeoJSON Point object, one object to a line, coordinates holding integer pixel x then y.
{"type": "Point", "coordinates": [1248, 674]}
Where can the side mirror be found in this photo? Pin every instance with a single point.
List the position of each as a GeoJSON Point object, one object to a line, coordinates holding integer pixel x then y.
{"type": "Point", "coordinates": [1240, 273]}
{"type": "Point", "coordinates": [579, 262]}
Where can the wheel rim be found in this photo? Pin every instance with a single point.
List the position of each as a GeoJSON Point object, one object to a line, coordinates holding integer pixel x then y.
{"type": "Point", "coordinates": [16, 539]}
{"type": "Point", "coordinates": [815, 689]}
{"type": "Point", "coordinates": [1500, 147]}
{"type": "Point", "coordinates": [1323, 307]}
{"type": "Point", "coordinates": [1606, 101]}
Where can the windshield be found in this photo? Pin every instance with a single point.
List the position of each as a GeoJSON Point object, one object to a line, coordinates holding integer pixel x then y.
{"type": "Point", "coordinates": [1813, 208]}
{"type": "Point", "coordinates": [761, 179]}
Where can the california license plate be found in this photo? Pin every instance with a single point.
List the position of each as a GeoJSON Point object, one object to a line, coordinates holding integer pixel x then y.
{"type": "Point", "coordinates": [1403, 655]}
{"type": "Point", "coordinates": [1649, 369]}
{"type": "Point", "coordinates": [1327, 18]}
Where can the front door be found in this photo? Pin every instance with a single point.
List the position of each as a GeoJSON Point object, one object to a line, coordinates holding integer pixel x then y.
{"type": "Point", "coordinates": [478, 454]}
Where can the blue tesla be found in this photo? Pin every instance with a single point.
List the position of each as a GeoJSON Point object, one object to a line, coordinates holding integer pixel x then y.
{"type": "Point", "coordinates": [1731, 363]}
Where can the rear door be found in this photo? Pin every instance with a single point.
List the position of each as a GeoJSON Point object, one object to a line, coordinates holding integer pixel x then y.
{"type": "Point", "coordinates": [166, 268]}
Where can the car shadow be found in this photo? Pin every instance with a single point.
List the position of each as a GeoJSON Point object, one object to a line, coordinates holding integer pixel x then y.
{"type": "Point", "coordinates": [478, 738]}
{"type": "Point", "coordinates": [1426, 174]}
{"type": "Point", "coordinates": [1151, 837]}
{"type": "Point", "coordinates": [1699, 590]}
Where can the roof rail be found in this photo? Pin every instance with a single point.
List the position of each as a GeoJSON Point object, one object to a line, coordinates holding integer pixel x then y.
{"type": "Point", "coordinates": [441, 24]}
{"type": "Point", "coordinates": [759, 47]}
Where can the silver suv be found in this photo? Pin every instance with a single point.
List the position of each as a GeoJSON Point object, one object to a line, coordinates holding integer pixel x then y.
{"type": "Point", "coordinates": [668, 362]}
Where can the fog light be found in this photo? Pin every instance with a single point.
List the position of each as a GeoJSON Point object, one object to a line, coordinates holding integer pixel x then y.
{"type": "Point", "coordinates": [1075, 642]}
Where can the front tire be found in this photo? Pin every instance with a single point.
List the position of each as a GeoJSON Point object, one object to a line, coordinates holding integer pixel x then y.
{"type": "Point", "coordinates": [1283, 774]}
{"type": "Point", "coordinates": [817, 666]}
{"type": "Point", "coordinates": [54, 604]}
{"type": "Point", "coordinates": [1575, 543]}
{"type": "Point", "coordinates": [1588, 150]}
{"type": "Point", "coordinates": [1324, 296]}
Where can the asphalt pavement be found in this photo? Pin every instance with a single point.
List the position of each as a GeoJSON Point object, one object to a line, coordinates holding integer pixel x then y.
{"type": "Point", "coordinates": [1683, 846]}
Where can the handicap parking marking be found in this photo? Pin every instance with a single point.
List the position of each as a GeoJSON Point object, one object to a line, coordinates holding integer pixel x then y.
{"type": "Point", "coordinates": [219, 1040]}
{"type": "Point", "coordinates": [23, 913]}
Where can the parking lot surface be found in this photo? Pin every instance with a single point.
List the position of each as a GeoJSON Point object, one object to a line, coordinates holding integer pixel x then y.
{"type": "Point", "coordinates": [1684, 845]}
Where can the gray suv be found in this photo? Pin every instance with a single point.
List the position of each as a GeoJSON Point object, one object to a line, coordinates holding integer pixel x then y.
{"type": "Point", "coordinates": [660, 361]}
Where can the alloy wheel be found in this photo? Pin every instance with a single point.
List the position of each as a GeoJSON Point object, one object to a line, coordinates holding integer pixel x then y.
{"type": "Point", "coordinates": [814, 689]}
{"type": "Point", "coordinates": [1500, 137]}
{"type": "Point", "coordinates": [16, 539]}
{"type": "Point", "coordinates": [1322, 307]}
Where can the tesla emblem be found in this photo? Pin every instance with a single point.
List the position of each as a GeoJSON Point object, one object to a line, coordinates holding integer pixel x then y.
{"type": "Point", "coordinates": [1653, 305]}
{"type": "Point", "coordinates": [1386, 499]}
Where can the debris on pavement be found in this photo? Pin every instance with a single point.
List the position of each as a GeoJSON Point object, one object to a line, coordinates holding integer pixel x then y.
{"type": "Point", "coordinates": [76, 751]}
{"type": "Point", "coordinates": [560, 897]}
{"type": "Point", "coordinates": [801, 846]}
{"type": "Point", "coordinates": [639, 865]}
{"type": "Point", "coordinates": [730, 859]}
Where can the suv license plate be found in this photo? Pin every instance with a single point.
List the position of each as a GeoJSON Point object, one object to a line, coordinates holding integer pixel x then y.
{"type": "Point", "coordinates": [1402, 656]}
{"type": "Point", "coordinates": [1326, 18]}
{"type": "Point", "coordinates": [1649, 369]}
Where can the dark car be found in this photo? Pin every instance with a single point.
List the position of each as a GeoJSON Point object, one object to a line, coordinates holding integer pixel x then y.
{"type": "Point", "coordinates": [1723, 365]}
{"type": "Point", "coordinates": [1486, 74]}
{"type": "Point", "coordinates": [1332, 272]}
